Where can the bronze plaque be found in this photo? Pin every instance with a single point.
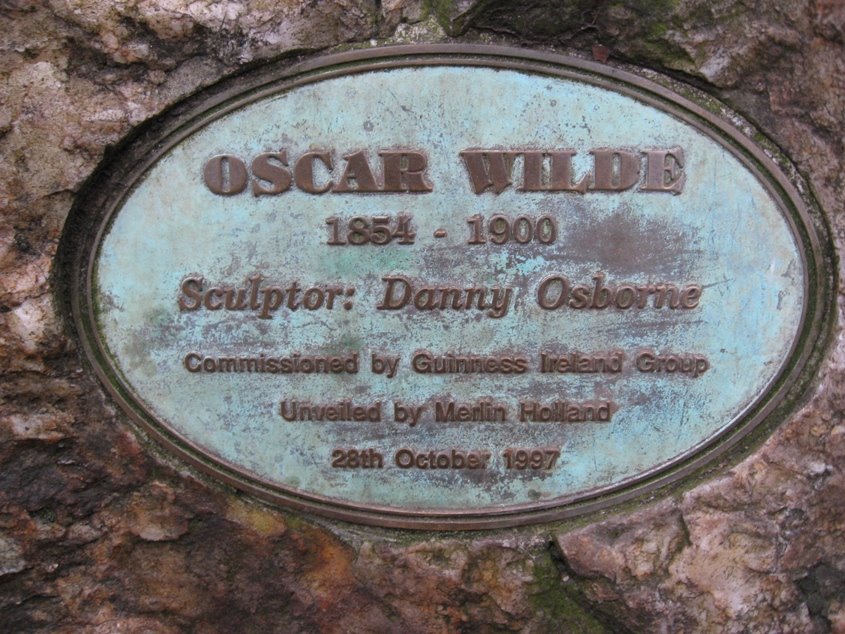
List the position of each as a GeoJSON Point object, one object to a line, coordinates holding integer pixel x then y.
{"type": "Point", "coordinates": [448, 286]}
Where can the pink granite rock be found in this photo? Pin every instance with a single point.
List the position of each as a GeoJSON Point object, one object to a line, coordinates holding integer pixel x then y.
{"type": "Point", "coordinates": [101, 532]}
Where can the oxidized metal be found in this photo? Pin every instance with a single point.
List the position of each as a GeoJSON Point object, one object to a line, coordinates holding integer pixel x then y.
{"type": "Point", "coordinates": [450, 287]}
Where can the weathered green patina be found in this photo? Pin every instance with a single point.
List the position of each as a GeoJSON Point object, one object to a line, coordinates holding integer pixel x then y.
{"type": "Point", "coordinates": [658, 325]}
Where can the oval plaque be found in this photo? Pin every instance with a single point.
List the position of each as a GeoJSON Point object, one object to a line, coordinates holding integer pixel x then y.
{"type": "Point", "coordinates": [449, 286]}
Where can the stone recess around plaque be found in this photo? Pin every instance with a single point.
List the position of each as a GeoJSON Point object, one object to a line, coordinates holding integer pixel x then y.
{"type": "Point", "coordinates": [448, 286]}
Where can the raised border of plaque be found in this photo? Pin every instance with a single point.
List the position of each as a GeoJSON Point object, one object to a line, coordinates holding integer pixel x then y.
{"type": "Point", "coordinates": [122, 171]}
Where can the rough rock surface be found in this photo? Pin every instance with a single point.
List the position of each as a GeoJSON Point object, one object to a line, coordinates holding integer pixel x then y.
{"type": "Point", "coordinates": [99, 533]}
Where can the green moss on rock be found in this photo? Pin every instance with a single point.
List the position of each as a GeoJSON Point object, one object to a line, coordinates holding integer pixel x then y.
{"type": "Point", "coordinates": [558, 603]}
